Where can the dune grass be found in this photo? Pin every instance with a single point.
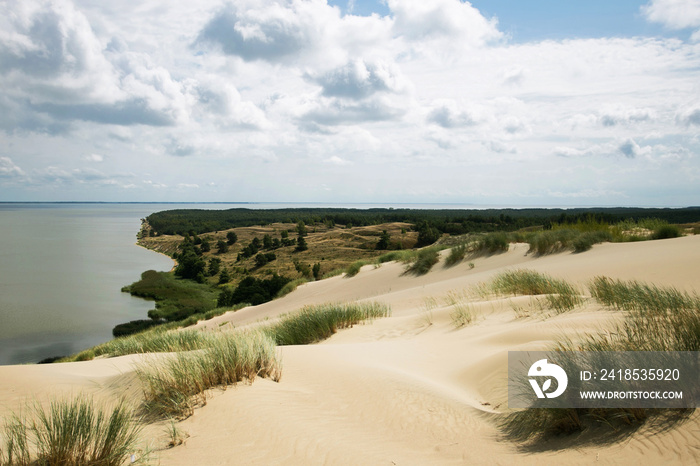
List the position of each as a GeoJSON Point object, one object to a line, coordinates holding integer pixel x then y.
{"type": "Point", "coordinates": [291, 286]}
{"type": "Point", "coordinates": [657, 319]}
{"type": "Point", "coordinates": [316, 323]}
{"type": "Point", "coordinates": [558, 294]}
{"type": "Point", "coordinates": [424, 260]}
{"type": "Point", "coordinates": [354, 268]}
{"type": "Point", "coordinates": [461, 315]}
{"type": "Point", "coordinates": [175, 385]}
{"type": "Point", "coordinates": [581, 236]}
{"type": "Point", "coordinates": [71, 432]}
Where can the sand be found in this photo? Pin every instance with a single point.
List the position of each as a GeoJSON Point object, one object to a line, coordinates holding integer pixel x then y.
{"type": "Point", "coordinates": [408, 389]}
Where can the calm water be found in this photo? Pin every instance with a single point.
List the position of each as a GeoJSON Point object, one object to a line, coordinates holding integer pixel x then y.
{"type": "Point", "coordinates": [62, 267]}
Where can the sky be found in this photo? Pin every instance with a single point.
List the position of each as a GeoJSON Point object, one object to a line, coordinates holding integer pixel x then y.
{"type": "Point", "coordinates": [490, 102]}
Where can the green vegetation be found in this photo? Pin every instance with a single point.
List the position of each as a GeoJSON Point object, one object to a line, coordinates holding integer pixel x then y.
{"type": "Point", "coordinates": [461, 315]}
{"type": "Point", "coordinates": [456, 255]}
{"type": "Point", "coordinates": [253, 291]}
{"type": "Point", "coordinates": [449, 221]}
{"type": "Point", "coordinates": [71, 432]}
{"type": "Point", "coordinates": [174, 386]}
{"type": "Point", "coordinates": [424, 261]}
{"type": "Point", "coordinates": [354, 268]}
{"type": "Point", "coordinates": [658, 319]}
{"type": "Point", "coordinates": [291, 286]}
{"type": "Point", "coordinates": [176, 299]}
{"type": "Point", "coordinates": [316, 323]}
{"type": "Point", "coordinates": [559, 295]}
{"type": "Point", "coordinates": [583, 234]}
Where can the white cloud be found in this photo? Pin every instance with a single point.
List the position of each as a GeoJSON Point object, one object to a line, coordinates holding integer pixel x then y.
{"type": "Point", "coordinates": [630, 149]}
{"type": "Point", "coordinates": [620, 115]}
{"type": "Point", "coordinates": [266, 98]}
{"type": "Point", "coordinates": [690, 115]}
{"type": "Point", "coordinates": [448, 114]}
{"type": "Point", "coordinates": [418, 20]}
{"type": "Point", "coordinates": [675, 14]}
{"type": "Point", "coordinates": [93, 158]}
{"type": "Point", "coordinates": [8, 169]}
{"type": "Point", "coordinates": [335, 160]}
{"type": "Point", "coordinates": [359, 79]}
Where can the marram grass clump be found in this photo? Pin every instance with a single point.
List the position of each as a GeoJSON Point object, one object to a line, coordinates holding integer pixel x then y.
{"type": "Point", "coordinates": [316, 323]}
{"type": "Point", "coordinates": [558, 294]}
{"type": "Point", "coordinates": [71, 432]}
{"type": "Point", "coordinates": [175, 385]}
{"type": "Point", "coordinates": [657, 319]}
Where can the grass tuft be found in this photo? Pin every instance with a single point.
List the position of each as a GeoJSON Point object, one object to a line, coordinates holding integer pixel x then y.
{"type": "Point", "coordinates": [424, 261]}
{"type": "Point", "coordinates": [316, 323]}
{"type": "Point", "coordinates": [658, 319]}
{"type": "Point", "coordinates": [71, 432]}
{"type": "Point", "coordinates": [174, 386]}
{"type": "Point", "coordinates": [559, 295]}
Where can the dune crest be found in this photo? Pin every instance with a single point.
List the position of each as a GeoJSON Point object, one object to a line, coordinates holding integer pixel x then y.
{"type": "Point", "coordinates": [408, 389]}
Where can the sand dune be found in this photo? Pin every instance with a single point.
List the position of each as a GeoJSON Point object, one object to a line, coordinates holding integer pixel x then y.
{"type": "Point", "coordinates": [409, 389]}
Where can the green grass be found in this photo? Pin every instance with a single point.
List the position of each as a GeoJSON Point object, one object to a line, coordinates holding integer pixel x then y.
{"type": "Point", "coordinates": [174, 386]}
{"type": "Point", "coordinates": [176, 299]}
{"type": "Point", "coordinates": [559, 294]}
{"type": "Point", "coordinates": [316, 323]}
{"type": "Point", "coordinates": [657, 319]}
{"type": "Point", "coordinates": [424, 261]}
{"type": "Point", "coordinates": [291, 286]}
{"type": "Point", "coordinates": [354, 268]}
{"type": "Point", "coordinates": [581, 236]}
{"type": "Point", "coordinates": [71, 432]}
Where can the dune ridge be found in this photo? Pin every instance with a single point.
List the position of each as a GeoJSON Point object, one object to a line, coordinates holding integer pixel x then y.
{"type": "Point", "coordinates": [407, 389]}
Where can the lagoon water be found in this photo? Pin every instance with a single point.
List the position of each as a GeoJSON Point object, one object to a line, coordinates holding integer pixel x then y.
{"type": "Point", "coordinates": [62, 267]}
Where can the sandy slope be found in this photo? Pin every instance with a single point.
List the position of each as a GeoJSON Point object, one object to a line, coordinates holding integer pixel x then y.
{"type": "Point", "coordinates": [409, 389]}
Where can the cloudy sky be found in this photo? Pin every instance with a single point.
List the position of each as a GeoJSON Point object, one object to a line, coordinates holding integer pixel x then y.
{"type": "Point", "coordinates": [498, 102]}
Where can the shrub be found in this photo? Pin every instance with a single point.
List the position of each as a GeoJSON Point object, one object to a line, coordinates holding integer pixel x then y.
{"type": "Point", "coordinates": [424, 261]}
{"type": "Point", "coordinates": [666, 232]}
{"type": "Point", "coordinates": [253, 290]}
{"type": "Point", "coordinates": [134, 326]}
{"type": "Point", "coordinates": [354, 268]}
{"type": "Point", "coordinates": [456, 255]}
{"type": "Point", "coordinates": [493, 243]}
{"type": "Point", "coordinates": [551, 241]}
{"type": "Point", "coordinates": [586, 240]}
